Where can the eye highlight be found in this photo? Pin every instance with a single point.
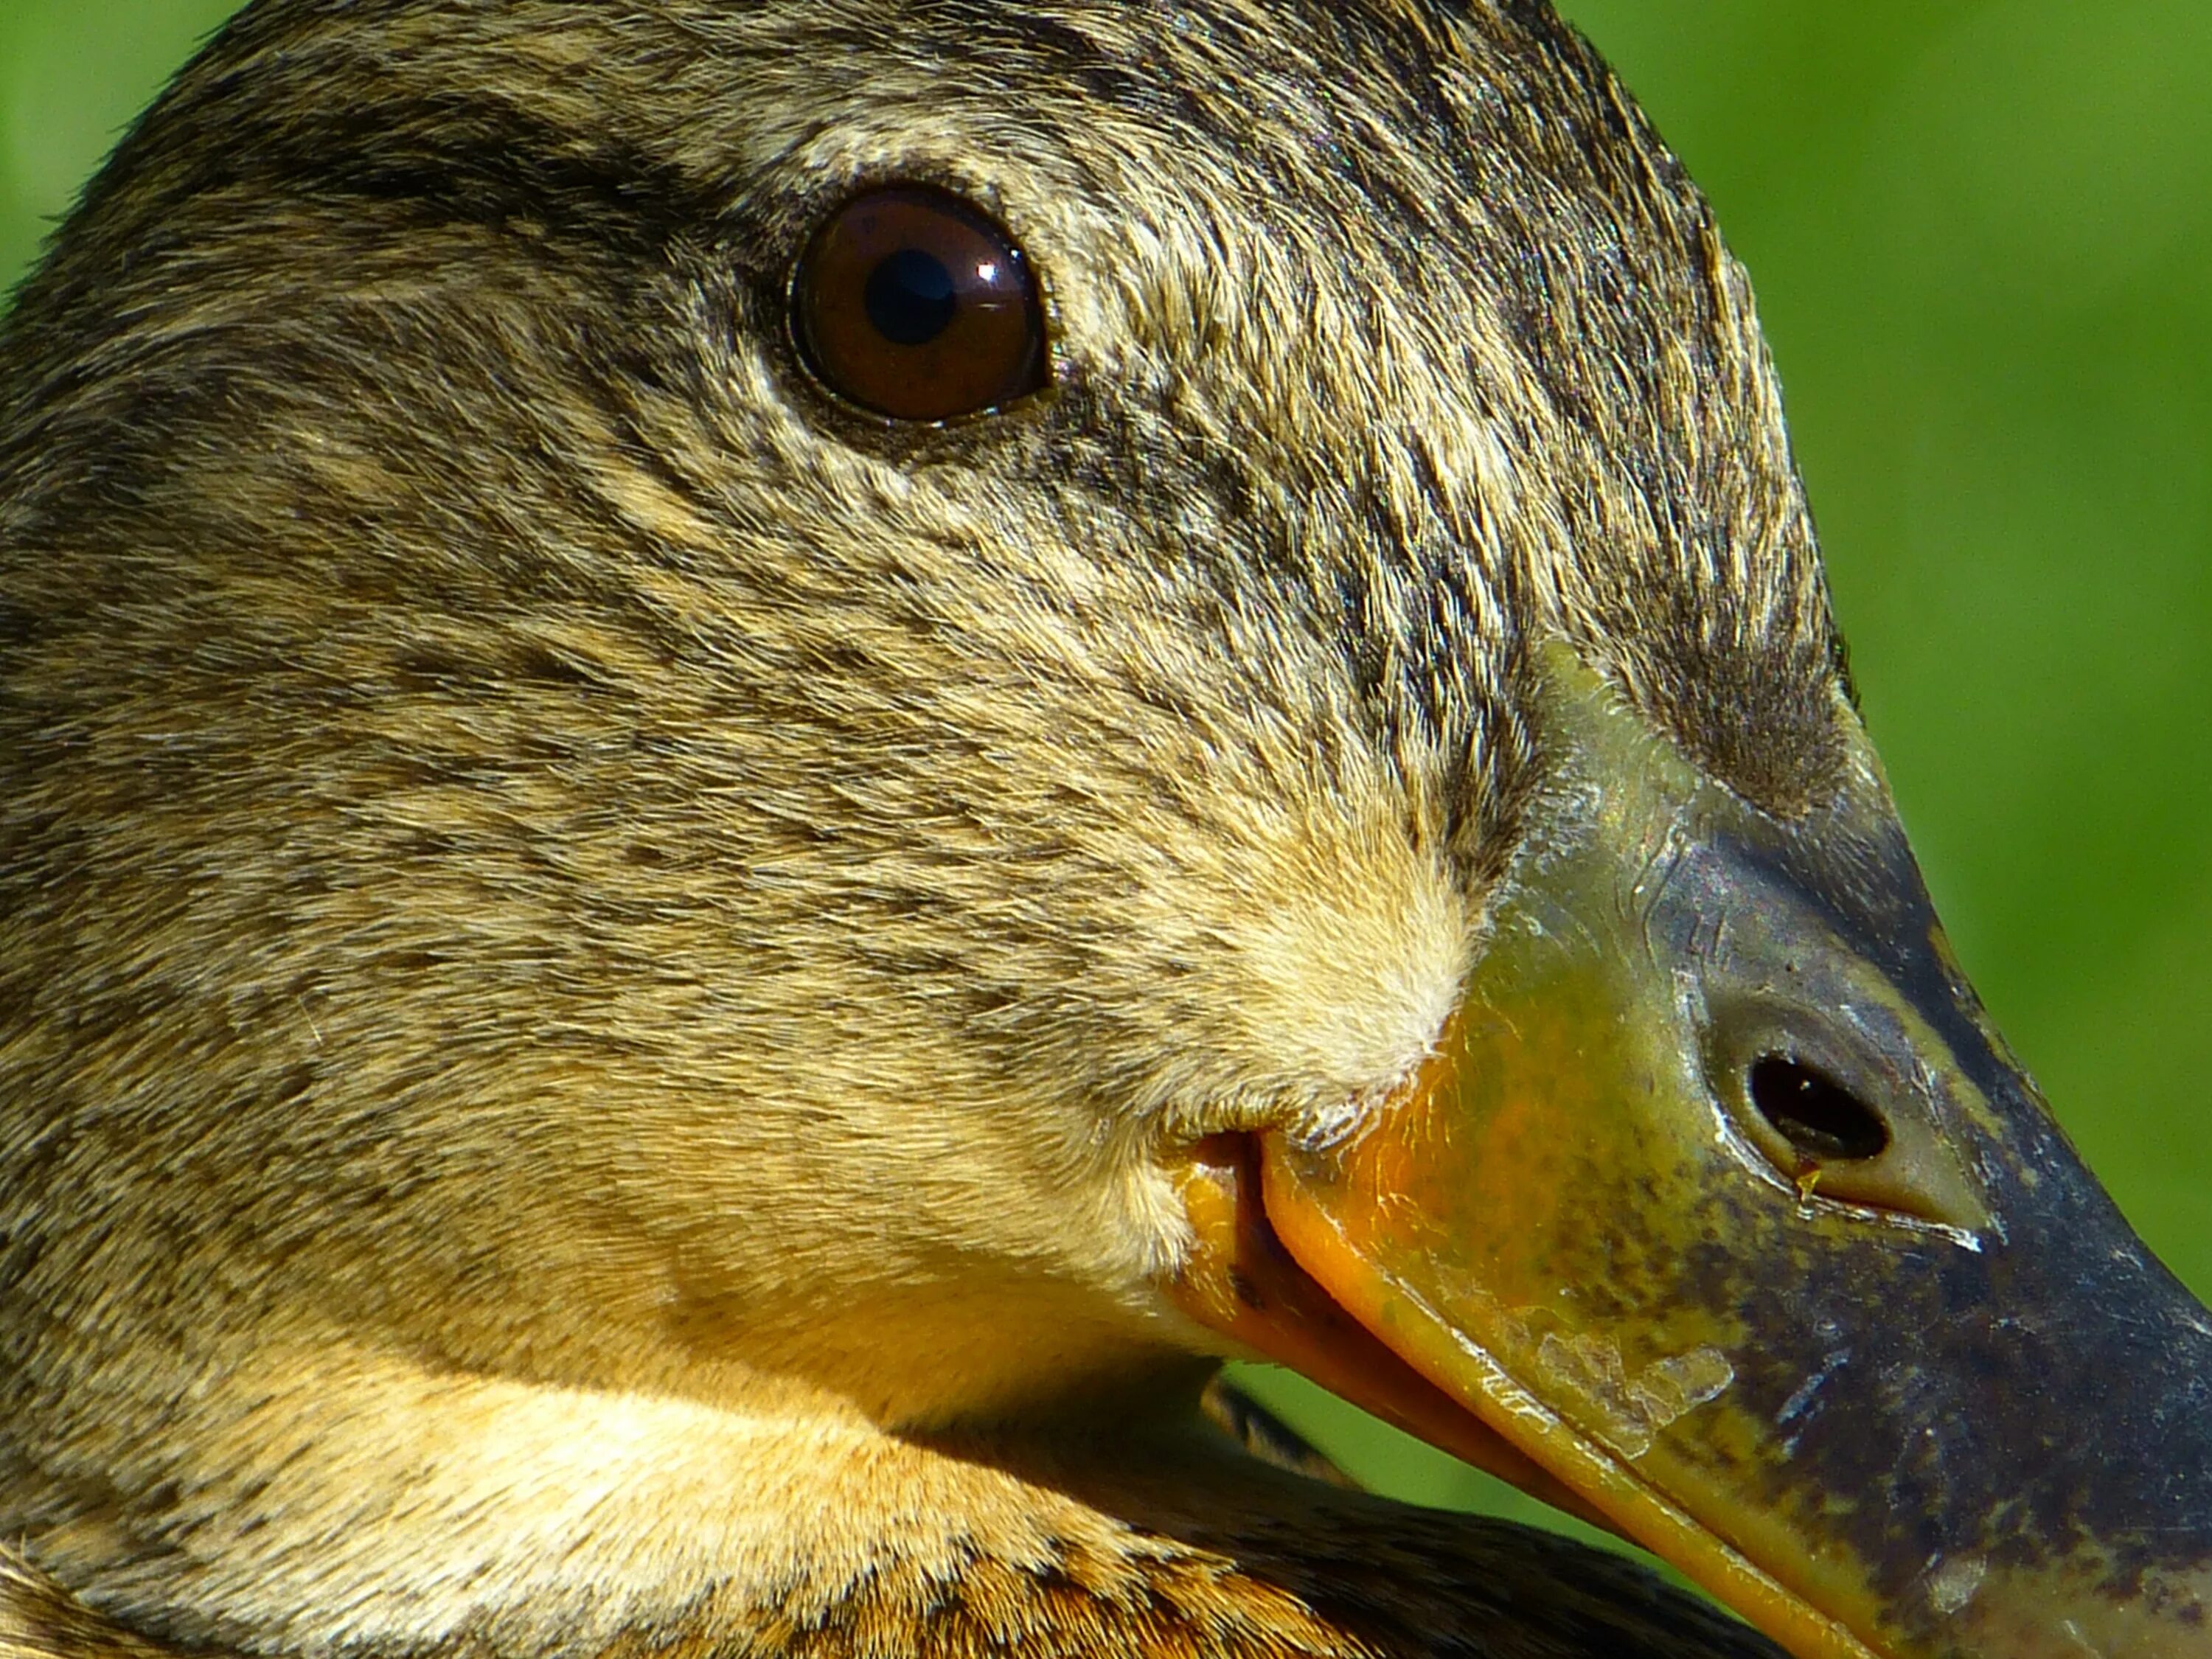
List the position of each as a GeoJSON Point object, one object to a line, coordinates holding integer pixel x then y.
{"type": "Point", "coordinates": [911, 302]}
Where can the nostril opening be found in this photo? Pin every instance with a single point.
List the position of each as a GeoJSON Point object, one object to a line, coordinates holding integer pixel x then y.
{"type": "Point", "coordinates": [1815, 1113]}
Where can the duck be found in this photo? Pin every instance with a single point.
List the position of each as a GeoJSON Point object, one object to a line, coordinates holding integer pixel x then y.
{"type": "Point", "coordinates": [758, 763]}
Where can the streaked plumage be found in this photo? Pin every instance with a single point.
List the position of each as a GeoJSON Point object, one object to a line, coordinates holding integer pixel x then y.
{"type": "Point", "coordinates": [600, 952]}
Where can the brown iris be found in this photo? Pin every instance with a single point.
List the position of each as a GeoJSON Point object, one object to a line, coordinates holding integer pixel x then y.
{"type": "Point", "coordinates": [912, 303]}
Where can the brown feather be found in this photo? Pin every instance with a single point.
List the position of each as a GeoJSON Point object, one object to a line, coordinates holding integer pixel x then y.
{"type": "Point", "coordinates": [591, 940]}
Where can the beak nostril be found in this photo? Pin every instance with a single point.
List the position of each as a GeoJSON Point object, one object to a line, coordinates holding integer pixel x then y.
{"type": "Point", "coordinates": [1819, 1116]}
{"type": "Point", "coordinates": [1838, 1111]}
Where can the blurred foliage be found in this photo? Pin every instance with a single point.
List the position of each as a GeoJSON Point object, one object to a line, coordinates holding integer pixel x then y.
{"type": "Point", "coordinates": [1979, 232]}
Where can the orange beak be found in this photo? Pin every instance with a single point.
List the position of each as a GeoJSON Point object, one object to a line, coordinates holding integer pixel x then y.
{"type": "Point", "coordinates": [1720, 1215]}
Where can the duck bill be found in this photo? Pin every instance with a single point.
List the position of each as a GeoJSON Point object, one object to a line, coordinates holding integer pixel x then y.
{"type": "Point", "coordinates": [1721, 1207]}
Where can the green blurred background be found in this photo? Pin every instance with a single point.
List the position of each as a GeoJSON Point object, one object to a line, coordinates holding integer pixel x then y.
{"type": "Point", "coordinates": [1981, 232]}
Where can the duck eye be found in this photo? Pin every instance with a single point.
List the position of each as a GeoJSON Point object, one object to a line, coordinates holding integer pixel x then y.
{"type": "Point", "coordinates": [912, 303]}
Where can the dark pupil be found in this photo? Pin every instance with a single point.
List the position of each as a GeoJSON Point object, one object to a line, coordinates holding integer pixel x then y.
{"type": "Point", "coordinates": [910, 298]}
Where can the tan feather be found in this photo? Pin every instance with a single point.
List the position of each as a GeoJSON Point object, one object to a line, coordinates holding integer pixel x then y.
{"type": "Point", "coordinates": [597, 950]}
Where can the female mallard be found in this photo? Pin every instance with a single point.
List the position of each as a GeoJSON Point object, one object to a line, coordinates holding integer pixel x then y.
{"type": "Point", "coordinates": [758, 759]}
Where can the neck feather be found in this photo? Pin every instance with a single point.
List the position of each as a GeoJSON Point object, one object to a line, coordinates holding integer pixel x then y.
{"type": "Point", "coordinates": [499, 1520]}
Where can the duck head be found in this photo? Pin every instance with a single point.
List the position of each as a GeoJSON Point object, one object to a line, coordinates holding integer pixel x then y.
{"type": "Point", "coordinates": [945, 708]}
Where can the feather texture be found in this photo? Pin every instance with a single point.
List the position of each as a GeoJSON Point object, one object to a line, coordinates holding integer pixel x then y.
{"type": "Point", "coordinates": [594, 945]}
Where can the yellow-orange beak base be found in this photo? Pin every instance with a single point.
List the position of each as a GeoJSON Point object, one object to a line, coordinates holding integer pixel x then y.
{"type": "Point", "coordinates": [1721, 1213]}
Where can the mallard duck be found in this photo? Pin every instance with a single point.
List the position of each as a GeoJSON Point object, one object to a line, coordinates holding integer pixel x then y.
{"type": "Point", "coordinates": [760, 760]}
